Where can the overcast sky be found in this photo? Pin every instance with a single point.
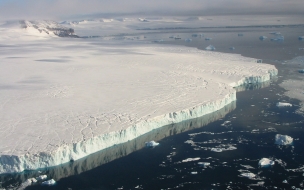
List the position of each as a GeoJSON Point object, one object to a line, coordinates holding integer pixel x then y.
{"type": "Point", "coordinates": [47, 9]}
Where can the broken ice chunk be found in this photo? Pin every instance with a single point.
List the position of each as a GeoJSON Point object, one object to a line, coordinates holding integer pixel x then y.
{"type": "Point", "coordinates": [285, 181]}
{"type": "Point", "coordinates": [275, 33]}
{"type": "Point", "coordinates": [232, 48]}
{"type": "Point", "coordinates": [151, 144]}
{"type": "Point", "coordinates": [265, 162]}
{"type": "Point", "coordinates": [301, 37]}
{"type": "Point", "coordinates": [207, 39]}
{"type": "Point", "coordinates": [262, 37]}
{"type": "Point", "coordinates": [249, 175]}
{"type": "Point", "coordinates": [278, 38]}
{"type": "Point", "coordinates": [41, 177]}
{"type": "Point", "coordinates": [210, 48]}
{"type": "Point", "coordinates": [191, 159]}
{"type": "Point", "coordinates": [283, 139]}
{"type": "Point", "coordinates": [240, 34]}
{"type": "Point", "coordinates": [301, 71]}
{"type": "Point", "coordinates": [193, 172]}
{"type": "Point", "coordinates": [204, 164]}
{"type": "Point", "coordinates": [49, 182]}
{"type": "Point", "coordinates": [282, 104]}
{"type": "Point", "coordinates": [188, 40]}
{"type": "Point", "coordinates": [216, 149]}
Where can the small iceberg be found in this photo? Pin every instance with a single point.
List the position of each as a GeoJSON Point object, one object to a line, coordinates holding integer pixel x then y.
{"type": "Point", "coordinates": [278, 38]}
{"type": "Point", "coordinates": [193, 173]}
{"type": "Point", "coordinates": [275, 33]}
{"type": "Point", "coordinates": [262, 37]}
{"type": "Point", "coordinates": [188, 40]}
{"type": "Point", "coordinates": [240, 34]}
{"type": "Point", "coordinates": [216, 150]}
{"type": "Point", "coordinates": [207, 39]}
{"type": "Point", "coordinates": [157, 41]}
{"type": "Point", "coordinates": [301, 71]}
{"type": "Point", "coordinates": [232, 48]}
{"type": "Point", "coordinates": [191, 159]}
{"type": "Point", "coordinates": [204, 164]}
{"type": "Point", "coordinates": [41, 177]}
{"type": "Point", "coordinates": [265, 162]}
{"type": "Point", "coordinates": [210, 48]}
{"type": "Point", "coordinates": [301, 37]}
{"type": "Point", "coordinates": [151, 144]}
{"type": "Point", "coordinates": [249, 175]}
{"type": "Point", "coordinates": [283, 104]}
{"type": "Point", "coordinates": [283, 139]}
{"type": "Point", "coordinates": [49, 182]}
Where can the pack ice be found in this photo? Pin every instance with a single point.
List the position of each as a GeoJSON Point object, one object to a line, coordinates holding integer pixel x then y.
{"type": "Point", "coordinates": [64, 99]}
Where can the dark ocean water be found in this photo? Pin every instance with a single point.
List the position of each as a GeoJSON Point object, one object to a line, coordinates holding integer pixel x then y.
{"type": "Point", "coordinates": [246, 129]}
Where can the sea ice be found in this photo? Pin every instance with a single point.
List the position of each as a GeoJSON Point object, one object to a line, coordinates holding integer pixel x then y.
{"type": "Point", "coordinates": [151, 144]}
{"type": "Point", "coordinates": [283, 104]}
{"type": "Point", "coordinates": [283, 139]}
{"type": "Point", "coordinates": [264, 162]}
{"type": "Point", "coordinates": [49, 182]}
{"type": "Point", "coordinates": [210, 48]}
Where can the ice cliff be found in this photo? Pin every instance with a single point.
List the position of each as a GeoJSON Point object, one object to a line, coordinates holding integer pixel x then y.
{"type": "Point", "coordinates": [57, 119]}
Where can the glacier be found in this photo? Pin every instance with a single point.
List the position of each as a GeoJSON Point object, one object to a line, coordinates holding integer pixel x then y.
{"type": "Point", "coordinates": [63, 105]}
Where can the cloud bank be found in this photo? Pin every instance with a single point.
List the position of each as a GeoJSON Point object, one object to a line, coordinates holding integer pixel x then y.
{"type": "Point", "coordinates": [10, 9]}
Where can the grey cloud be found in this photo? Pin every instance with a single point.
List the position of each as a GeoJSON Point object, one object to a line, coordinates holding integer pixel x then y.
{"type": "Point", "coordinates": [62, 8]}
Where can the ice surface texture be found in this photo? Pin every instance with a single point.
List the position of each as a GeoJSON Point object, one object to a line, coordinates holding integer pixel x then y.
{"type": "Point", "coordinates": [62, 100]}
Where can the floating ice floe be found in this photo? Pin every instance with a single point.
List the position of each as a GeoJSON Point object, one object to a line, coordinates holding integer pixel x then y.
{"type": "Point", "coordinates": [275, 33]}
{"type": "Point", "coordinates": [283, 104]}
{"type": "Point", "coordinates": [188, 40]}
{"type": "Point", "coordinates": [240, 34]}
{"type": "Point", "coordinates": [41, 177]}
{"type": "Point", "coordinates": [301, 71]}
{"type": "Point", "coordinates": [193, 172]}
{"type": "Point", "coordinates": [27, 182]}
{"type": "Point", "coordinates": [204, 163]}
{"type": "Point", "coordinates": [210, 48]}
{"type": "Point", "coordinates": [232, 48]}
{"type": "Point", "coordinates": [216, 149]}
{"type": "Point", "coordinates": [278, 38]}
{"type": "Point", "coordinates": [283, 139]}
{"type": "Point", "coordinates": [226, 123]}
{"type": "Point", "coordinates": [285, 181]}
{"type": "Point", "coordinates": [151, 144]}
{"type": "Point", "coordinates": [191, 159]}
{"type": "Point", "coordinates": [208, 39]}
{"type": "Point", "coordinates": [301, 37]}
{"type": "Point", "coordinates": [265, 162]}
{"type": "Point", "coordinates": [301, 48]}
{"type": "Point", "coordinates": [49, 182]}
{"type": "Point", "coordinates": [157, 41]}
{"type": "Point", "coordinates": [249, 175]}
{"type": "Point", "coordinates": [262, 37]}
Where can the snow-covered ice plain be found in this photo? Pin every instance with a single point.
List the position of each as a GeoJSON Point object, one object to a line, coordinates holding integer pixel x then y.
{"type": "Point", "coordinates": [65, 98]}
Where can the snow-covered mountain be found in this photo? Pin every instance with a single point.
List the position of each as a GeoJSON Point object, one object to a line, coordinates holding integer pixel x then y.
{"type": "Point", "coordinates": [47, 27]}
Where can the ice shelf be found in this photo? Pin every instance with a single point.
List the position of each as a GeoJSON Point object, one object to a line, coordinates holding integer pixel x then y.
{"type": "Point", "coordinates": [62, 100]}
